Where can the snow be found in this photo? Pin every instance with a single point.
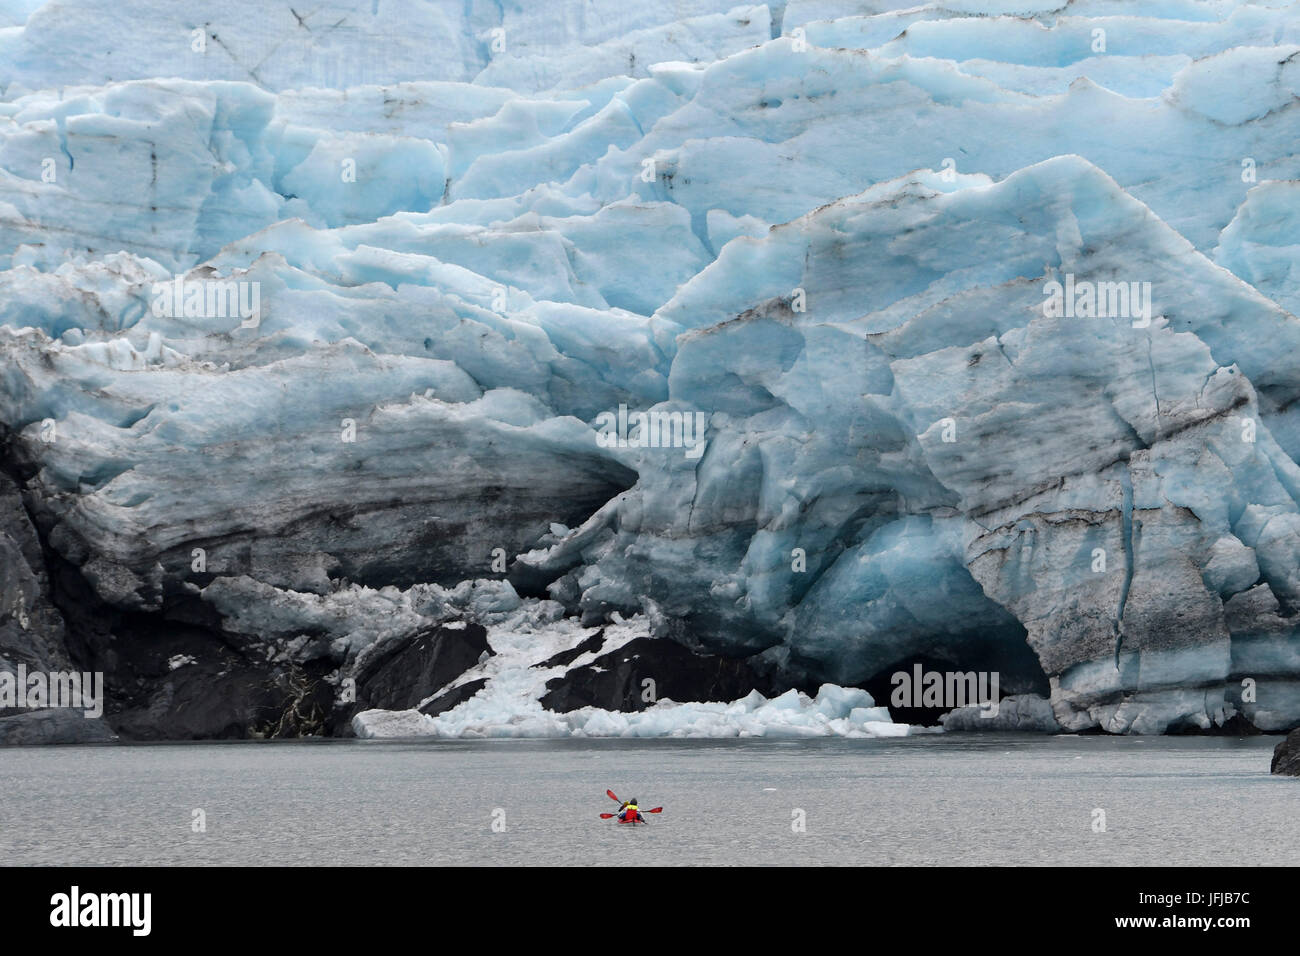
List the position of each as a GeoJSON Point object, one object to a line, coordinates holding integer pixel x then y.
{"type": "Point", "coordinates": [508, 706]}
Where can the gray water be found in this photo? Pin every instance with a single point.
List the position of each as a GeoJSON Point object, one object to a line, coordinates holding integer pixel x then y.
{"type": "Point", "coordinates": [954, 799]}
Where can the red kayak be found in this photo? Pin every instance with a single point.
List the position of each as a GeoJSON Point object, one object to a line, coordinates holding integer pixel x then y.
{"type": "Point", "coordinates": [627, 814]}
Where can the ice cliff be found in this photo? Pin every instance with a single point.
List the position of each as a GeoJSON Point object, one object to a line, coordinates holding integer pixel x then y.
{"type": "Point", "coordinates": [965, 333]}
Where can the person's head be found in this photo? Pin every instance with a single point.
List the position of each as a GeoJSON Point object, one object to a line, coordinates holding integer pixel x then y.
{"type": "Point", "coordinates": [633, 801]}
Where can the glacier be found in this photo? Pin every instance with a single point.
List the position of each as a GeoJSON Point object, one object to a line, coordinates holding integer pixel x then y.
{"type": "Point", "coordinates": [436, 245]}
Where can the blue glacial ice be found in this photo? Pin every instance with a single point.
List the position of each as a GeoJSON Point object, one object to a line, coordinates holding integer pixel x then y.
{"type": "Point", "coordinates": [830, 229]}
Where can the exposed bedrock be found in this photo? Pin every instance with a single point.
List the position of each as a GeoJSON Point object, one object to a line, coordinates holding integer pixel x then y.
{"type": "Point", "coordinates": [32, 630]}
{"type": "Point", "coordinates": [646, 670]}
{"type": "Point", "coordinates": [1286, 755]}
{"type": "Point", "coordinates": [401, 674]}
{"type": "Point", "coordinates": [54, 726]}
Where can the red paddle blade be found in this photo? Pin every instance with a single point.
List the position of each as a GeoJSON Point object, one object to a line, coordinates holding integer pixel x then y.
{"type": "Point", "coordinates": [610, 794]}
{"type": "Point", "coordinates": [656, 810]}
{"type": "Point", "coordinates": [606, 816]}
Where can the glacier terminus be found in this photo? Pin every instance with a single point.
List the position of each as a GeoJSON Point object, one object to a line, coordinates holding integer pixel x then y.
{"type": "Point", "coordinates": [590, 368]}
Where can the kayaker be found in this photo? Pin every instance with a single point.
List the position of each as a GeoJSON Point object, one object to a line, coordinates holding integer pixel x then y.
{"type": "Point", "coordinates": [630, 807]}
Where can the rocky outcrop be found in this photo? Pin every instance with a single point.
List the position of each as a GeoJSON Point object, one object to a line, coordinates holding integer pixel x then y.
{"type": "Point", "coordinates": [1286, 756]}
{"type": "Point", "coordinates": [399, 674]}
{"type": "Point", "coordinates": [646, 670]}
{"type": "Point", "coordinates": [54, 726]}
{"type": "Point", "coordinates": [177, 673]}
{"type": "Point", "coordinates": [221, 694]}
{"type": "Point", "coordinates": [33, 635]}
{"type": "Point", "coordinates": [451, 698]}
{"type": "Point", "coordinates": [564, 658]}
{"type": "Point", "coordinates": [32, 630]}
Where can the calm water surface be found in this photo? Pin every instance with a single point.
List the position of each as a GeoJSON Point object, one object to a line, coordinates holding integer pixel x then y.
{"type": "Point", "coordinates": [955, 799]}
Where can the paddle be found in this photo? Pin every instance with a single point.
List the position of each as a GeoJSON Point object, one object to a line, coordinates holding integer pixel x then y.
{"type": "Point", "coordinates": [610, 794]}
{"type": "Point", "coordinates": [607, 816]}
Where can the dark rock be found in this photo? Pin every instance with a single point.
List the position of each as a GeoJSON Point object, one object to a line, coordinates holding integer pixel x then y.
{"type": "Point", "coordinates": [401, 673]}
{"type": "Point", "coordinates": [1286, 755]}
{"type": "Point", "coordinates": [32, 631]}
{"type": "Point", "coordinates": [221, 697]}
{"type": "Point", "coordinates": [53, 726]}
{"type": "Point", "coordinates": [167, 680]}
{"type": "Point", "coordinates": [457, 695]}
{"type": "Point", "coordinates": [564, 658]}
{"type": "Point", "coordinates": [613, 681]}
{"type": "Point", "coordinates": [1238, 725]}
